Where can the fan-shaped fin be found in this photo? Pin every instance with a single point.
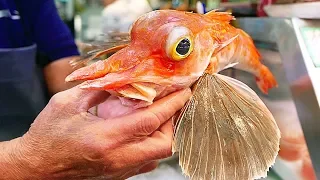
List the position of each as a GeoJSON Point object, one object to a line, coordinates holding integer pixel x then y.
{"type": "Point", "coordinates": [225, 132]}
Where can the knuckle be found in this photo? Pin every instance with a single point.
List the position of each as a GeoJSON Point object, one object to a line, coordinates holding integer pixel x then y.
{"type": "Point", "coordinates": [162, 113]}
{"type": "Point", "coordinates": [148, 123]}
{"type": "Point", "coordinates": [58, 100]}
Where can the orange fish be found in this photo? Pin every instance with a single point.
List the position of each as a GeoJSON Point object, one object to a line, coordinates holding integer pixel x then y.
{"type": "Point", "coordinates": [174, 49]}
{"type": "Point", "coordinates": [232, 135]}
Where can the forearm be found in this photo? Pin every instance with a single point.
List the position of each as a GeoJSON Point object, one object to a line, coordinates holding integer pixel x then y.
{"type": "Point", "coordinates": [12, 161]}
{"type": "Point", "coordinates": [55, 74]}
{"type": "Point", "coordinates": [54, 39]}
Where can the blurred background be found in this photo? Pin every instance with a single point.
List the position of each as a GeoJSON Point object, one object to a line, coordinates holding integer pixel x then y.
{"type": "Point", "coordinates": [287, 33]}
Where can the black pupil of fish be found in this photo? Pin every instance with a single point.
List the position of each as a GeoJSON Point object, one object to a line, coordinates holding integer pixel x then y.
{"type": "Point", "coordinates": [183, 46]}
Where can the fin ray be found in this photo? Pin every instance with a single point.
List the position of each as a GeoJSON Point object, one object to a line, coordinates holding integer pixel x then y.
{"type": "Point", "coordinates": [239, 134]}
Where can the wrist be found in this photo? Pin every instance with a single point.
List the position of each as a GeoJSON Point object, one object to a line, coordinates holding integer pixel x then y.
{"type": "Point", "coordinates": [14, 162]}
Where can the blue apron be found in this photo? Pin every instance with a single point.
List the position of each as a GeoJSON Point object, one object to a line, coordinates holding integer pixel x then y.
{"type": "Point", "coordinates": [22, 95]}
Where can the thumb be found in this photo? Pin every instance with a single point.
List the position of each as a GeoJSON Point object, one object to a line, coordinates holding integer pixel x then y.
{"type": "Point", "coordinates": [80, 100]}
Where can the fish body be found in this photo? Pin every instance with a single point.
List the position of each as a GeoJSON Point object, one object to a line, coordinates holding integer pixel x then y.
{"type": "Point", "coordinates": [243, 55]}
{"type": "Point", "coordinates": [150, 67]}
{"type": "Point", "coordinates": [225, 131]}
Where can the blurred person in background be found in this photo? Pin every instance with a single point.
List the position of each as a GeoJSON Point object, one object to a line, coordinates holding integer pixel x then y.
{"type": "Point", "coordinates": [28, 27]}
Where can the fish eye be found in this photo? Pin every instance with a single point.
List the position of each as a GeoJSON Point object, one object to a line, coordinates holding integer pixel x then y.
{"type": "Point", "coordinates": [183, 47]}
{"type": "Point", "coordinates": [179, 43]}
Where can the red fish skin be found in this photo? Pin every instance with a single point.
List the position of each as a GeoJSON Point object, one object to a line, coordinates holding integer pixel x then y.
{"type": "Point", "coordinates": [146, 58]}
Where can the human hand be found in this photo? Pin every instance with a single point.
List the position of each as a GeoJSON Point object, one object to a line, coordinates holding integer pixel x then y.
{"type": "Point", "coordinates": [67, 142]}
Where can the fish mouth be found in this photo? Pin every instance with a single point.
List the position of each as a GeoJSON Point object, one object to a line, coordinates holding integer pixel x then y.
{"type": "Point", "coordinates": [135, 84]}
{"type": "Point", "coordinates": [138, 91]}
{"type": "Point", "coordinates": [132, 90]}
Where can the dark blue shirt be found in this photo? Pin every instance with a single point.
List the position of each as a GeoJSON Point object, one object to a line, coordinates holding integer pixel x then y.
{"type": "Point", "coordinates": [24, 22]}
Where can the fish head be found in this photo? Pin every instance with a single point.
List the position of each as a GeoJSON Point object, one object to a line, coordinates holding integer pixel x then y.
{"type": "Point", "coordinates": [179, 43]}
{"type": "Point", "coordinates": [169, 50]}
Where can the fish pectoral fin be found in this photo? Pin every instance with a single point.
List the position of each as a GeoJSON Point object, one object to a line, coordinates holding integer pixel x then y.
{"type": "Point", "coordinates": [226, 43]}
{"type": "Point", "coordinates": [225, 132]}
{"type": "Point", "coordinates": [229, 66]}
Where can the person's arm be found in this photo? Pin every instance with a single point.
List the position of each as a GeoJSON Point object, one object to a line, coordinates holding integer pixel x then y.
{"type": "Point", "coordinates": [67, 142]}
{"type": "Point", "coordinates": [55, 74]}
{"type": "Point", "coordinates": [54, 39]}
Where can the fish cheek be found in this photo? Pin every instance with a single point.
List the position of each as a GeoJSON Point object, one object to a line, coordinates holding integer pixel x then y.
{"type": "Point", "coordinates": [206, 43]}
{"type": "Point", "coordinates": [200, 57]}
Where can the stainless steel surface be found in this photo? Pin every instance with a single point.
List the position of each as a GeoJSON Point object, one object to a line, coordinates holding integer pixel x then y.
{"type": "Point", "coordinates": [304, 81]}
{"type": "Point", "coordinates": [260, 29]}
{"type": "Point", "coordinates": [299, 79]}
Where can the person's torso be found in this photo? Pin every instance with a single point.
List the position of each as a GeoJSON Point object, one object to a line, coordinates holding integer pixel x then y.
{"type": "Point", "coordinates": [21, 92]}
{"type": "Point", "coordinates": [15, 32]}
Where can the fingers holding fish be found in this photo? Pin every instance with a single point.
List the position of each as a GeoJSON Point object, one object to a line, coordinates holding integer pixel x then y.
{"type": "Point", "coordinates": [155, 147]}
{"type": "Point", "coordinates": [130, 97]}
{"type": "Point", "coordinates": [149, 131]}
{"type": "Point", "coordinates": [151, 126]}
{"type": "Point", "coordinates": [147, 120]}
{"type": "Point", "coordinates": [77, 100]}
{"type": "Point", "coordinates": [167, 129]}
{"type": "Point", "coordinates": [172, 103]}
{"type": "Point", "coordinates": [84, 145]}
